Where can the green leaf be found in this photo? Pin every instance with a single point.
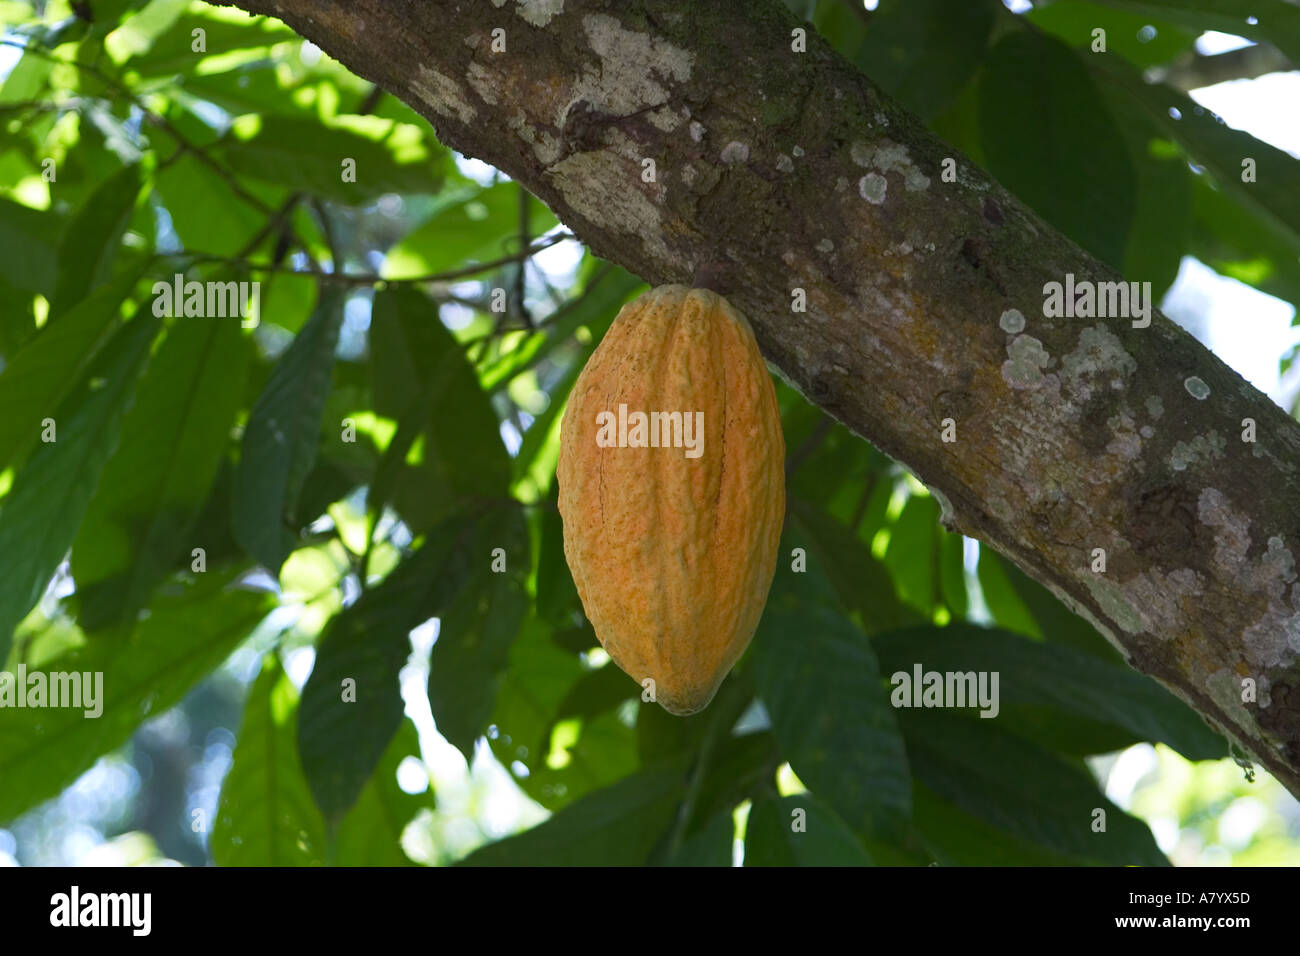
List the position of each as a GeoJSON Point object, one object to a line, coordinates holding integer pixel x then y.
{"type": "Point", "coordinates": [1015, 787]}
{"type": "Point", "coordinates": [371, 833]}
{"type": "Point", "coordinates": [952, 837]}
{"type": "Point", "coordinates": [41, 514]}
{"type": "Point", "coordinates": [265, 816]}
{"type": "Point", "coordinates": [448, 448]}
{"type": "Point", "coordinates": [1275, 193]}
{"type": "Point", "coordinates": [912, 556]}
{"type": "Point", "coordinates": [342, 736]}
{"type": "Point", "coordinates": [475, 632]}
{"type": "Point", "coordinates": [861, 582]}
{"type": "Point", "coordinates": [1035, 674]}
{"type": "Point", "coordinates": [1142, 40]}
{"type": "Point", "coordinates": [204, 212]}
{"type": "Point", "coordinates": [1236, 241]}
{"type": "Point", "coordinates": [557, 596]}
{"type": "Point", "coordinates": [147, 669]}
{"type": "Point", "coordinates": [28, 244]}
{"type": "Point", "coordinates": [1006, 606]}
{"type": "Point", "coordinates": [1056, 622]}
{"type": "Point", "coordinates": [90, 241]}
{"type": "Point", "coordinates": [1264, 21]}
{"type": "Point", "coordinates": [1162, 218]}
{"type": "Point", "coordinates": [173, 441]}
{"type": "Point", "coordinates": [818, 677]}
{"type": "Point", "coordinates": [617, 826]}
{"type": "Point", "coordinates": [799, 830]}
{"type": "Point", "coordinates": [712, 846]}
{"type": "Point", "coordinates": [481, 226]}
{"type": "Point", "coordinates": [37, 379]}
{"type": "Point", "coordinates": [171, 49]}
{"type": "Point", "coordinates": [922, 52]}
{"type": "Point", "coordinates": [303, 155]}
{"type": "Point", "coordinates": [1049, 138]}
{"type": "Point", "coordinates": [280, 441]}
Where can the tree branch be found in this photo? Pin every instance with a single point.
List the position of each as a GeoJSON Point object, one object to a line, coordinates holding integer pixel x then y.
{"type": "Point", "coordinates": [794, 171]}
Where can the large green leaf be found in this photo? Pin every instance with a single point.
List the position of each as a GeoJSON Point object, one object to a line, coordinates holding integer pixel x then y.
{"type": "Point", "coordinates": [206, 215]}
{"type": "Point", "coordinates": [28, 244]}
{"type": "Point", "coordinates": [448, 448]}
{"type": "Point", "coordinates": [818, 677]}
{"type": "Point", "coordinates": [40, 516]}
{"type": "Point", "coordinates": [1049, 138]}
{"type": "Point", "coordinates": [1274, 195]}
{"type": "Point", "coordinates": [266, 816]}
{"type": "Point", "coordinates": [1264, 21]}
{"type": "Point", "coordinates": [712, 846]}
{"type": "Point", "coordinates": [922, 52]}
{"type": "Point", "coordinates": [36, 380]}
{"type": "Point", "coordinates": [475, 633]}
{"type": "Point", "coordinates": [1236, 241]}
{"type": "Point", "coordinates": [146, 670]}
{"type": "Point", "coordinates": [342, 736]}
{"type": "Point", "coordinates": [371, 833]}
{"type": "Point", "coordinates": [304, 155]}
{"type": "Point", "coordinates": [280, 441]}
{"type": "Point", "coordinates": [861, 582]}
{"type": "Point", "coordinates": [799, 830]}
{"type": "Point", "coordinates": [1016, 787]}
{"type": "Point", "coordinates": [173, 441]}
{"type": "Point", "coordinates": [169, 48]}
{"type": "Point", "coordinates": [1034, 674]}
{"type": "Point", "coordinates": [617, 826]}
{"type": "Point", "coordinates": [1142, 40]}
{"type": "Point", "coordinates": [90, 241]}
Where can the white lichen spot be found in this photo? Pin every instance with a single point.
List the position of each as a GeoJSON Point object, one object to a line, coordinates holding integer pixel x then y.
{"type": "Point", "coordinates": [689, 174]}
{"type": "Point", "coordinates": [1025, 363]}
{"type": "Point", "coordinates": [1196, 388]}
{"type": "Point", "coordinates": [735, 152]}
{"type": "Point", "coordinates": [872, 187]}
{"type": "Point", "coordinates": [881, 119]}
{"type": "Point", "coordinates": [1012, 321]}
{"type": "Point", "coordinates": [1099, 360]}
{"type": "Point", "coordinates": [483, 81]}
{"type": "Point", "coordinates": [442, 94]}
{"type": "Point", "coordinates": [1125, 444]}
{"type": "Point", "coordinates": [1201, 449]}
{"type": "Point", "coordinates": [697, 130]}
{"type": "Point", "coordinates": [1114, 604]}
{"type": "Point", "coordinates": [634, 67]}
{"type": "Point", "coordinates": [539, 12]}
{"type": "Point", "coordinates": [1155, 407]}
{"type": "Point", "coordinates": [889, 157]}
{"type": "Point", "coordinates": [784, 163]}
{"type": "Point", "coordinates": [797, 152]}
{"type": "Point", "coordinates": [825, 246]}
{"type": "Point", "coordinates": [1280, 558]}
{"type": "Point", "coordinates": [1146, 431]}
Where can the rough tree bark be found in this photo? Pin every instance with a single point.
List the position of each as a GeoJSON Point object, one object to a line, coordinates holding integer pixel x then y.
{"type": "Point", "coordinates": [781, 170]}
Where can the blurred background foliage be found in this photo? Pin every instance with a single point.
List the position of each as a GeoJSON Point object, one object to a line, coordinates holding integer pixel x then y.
{"type": "Point", "coordinates": [349, 461]}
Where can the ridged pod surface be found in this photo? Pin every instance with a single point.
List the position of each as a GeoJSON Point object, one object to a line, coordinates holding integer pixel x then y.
{"type": "Point", "coordinates": [673, 555]}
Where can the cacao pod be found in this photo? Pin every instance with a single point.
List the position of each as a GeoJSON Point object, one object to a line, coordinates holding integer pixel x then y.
{"type": "Point", "coordinates": [673, 545]}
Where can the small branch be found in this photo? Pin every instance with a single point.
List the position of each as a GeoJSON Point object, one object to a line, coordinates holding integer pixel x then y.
{"type": "Point", "coordinates": [370, 278]}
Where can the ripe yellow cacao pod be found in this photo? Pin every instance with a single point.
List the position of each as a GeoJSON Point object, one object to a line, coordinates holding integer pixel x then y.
{"type": "Point", "coordinates": [671, 521]}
